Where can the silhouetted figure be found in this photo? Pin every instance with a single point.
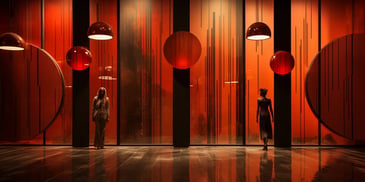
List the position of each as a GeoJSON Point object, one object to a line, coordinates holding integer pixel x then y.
{"type": "Point", "coordinates": [263, 107]}
{"type": "Point", "coordinates": [100, 116]}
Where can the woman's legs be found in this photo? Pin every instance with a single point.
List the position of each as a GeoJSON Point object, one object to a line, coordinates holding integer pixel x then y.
{"type": "Point", "coordinates": [265, 143]}
{"type": "Point", "coordinates": [264, 138]}
{"type": "Point", "coordinates": [99, 134]}
{"type": "Point", "coordinates": [102, 133]}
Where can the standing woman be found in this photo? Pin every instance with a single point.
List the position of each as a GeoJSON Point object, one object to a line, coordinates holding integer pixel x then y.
{"type": "Point", "coordinates": [263, 107]}
{"type": "Point", "coordinates": [100, 116]}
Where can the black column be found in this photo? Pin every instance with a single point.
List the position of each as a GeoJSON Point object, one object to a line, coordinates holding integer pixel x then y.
{"type": "Point", "coordinates": [80, 79]}
{"type": "Point", "coordinates": [282, 83]}
{"type": "Point", "coordinates": [181, 81]}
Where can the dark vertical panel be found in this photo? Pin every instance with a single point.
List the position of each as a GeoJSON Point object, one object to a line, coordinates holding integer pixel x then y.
{"type": "Point", "coordinates": [42, 24]}
{"type": "Point", "coordinates": [42, 46]}
{"type": "Point", "coordinates": [241, 71]}
{"type": "Point", "coordinates": [181, 81]}
{"type": "Point", "coordinates": [319, 73]}
{"type": "Point", "coordinates": [282, 83]}
{"type": "Point", "coordinates": [118, 74]}
{"type": "Point", "coordinates": [282, 87]}
{"type": "Point", "coordinates": [181, 94]}
{"type": "Point", "coordinates": [80, 79]}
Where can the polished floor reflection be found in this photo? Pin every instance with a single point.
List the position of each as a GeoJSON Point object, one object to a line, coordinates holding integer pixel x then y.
{"type": "Point", "coordinates": [193, 164]}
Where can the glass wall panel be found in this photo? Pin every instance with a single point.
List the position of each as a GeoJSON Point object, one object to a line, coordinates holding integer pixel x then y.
{"type": "Point", "coordinates": [258, 71]}
{"type": "Point", "coordinates": [217, 78]}
{"type": "Point", "coordinates": [146, 77]}
{"type": "Point", "coordinates": [103, 69]}
{"type": "Point", "coordinates": [304, 48]}
{"type": "Point", "coordinates": [26, 22]}
{"type": "Point", "coordinates": [57, 41]}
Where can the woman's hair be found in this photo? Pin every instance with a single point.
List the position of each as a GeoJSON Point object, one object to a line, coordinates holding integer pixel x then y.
{"type": "Point", "coordinates": [101, 89]}
{"type": "Point", "coordinates": [263, 91]}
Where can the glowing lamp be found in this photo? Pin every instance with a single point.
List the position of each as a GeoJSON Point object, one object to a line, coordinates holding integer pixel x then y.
{"type": "Point", "coordinates": [282, 62]}
{"type": "Point", "coordinates": [78, 58]}
{"type": "Point", "coordinates": [182, 49]}
{"type": "Point", "coordinates": [100, 31]}
{"type": "Point", "coordinates": [258, 31]}
{"type": "Point", "coordinates": [11, 42]}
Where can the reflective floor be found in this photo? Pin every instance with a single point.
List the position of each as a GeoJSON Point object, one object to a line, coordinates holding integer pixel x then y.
{"type": "Point", "coordinates": [193, 164]}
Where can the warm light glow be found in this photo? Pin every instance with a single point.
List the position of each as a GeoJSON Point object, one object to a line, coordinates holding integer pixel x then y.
{"type": "Point", "coordinates": [100, 37]}
{"type": "Point", "coordinates": [106, 78]}
{"type": "Point", "coordinates": [12, 48]}
{"type": "Point", "coordinates": [232, 82]}
{"type": "Point", "coordinates": [108, 68]}
{"type": "Point", "coordinates": [258, 37]}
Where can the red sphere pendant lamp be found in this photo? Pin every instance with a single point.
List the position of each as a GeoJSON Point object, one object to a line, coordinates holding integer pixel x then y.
{"type": "Point", "coordinates": [78, 58]}
{"type": "Point", "coordinates": [282, 62]}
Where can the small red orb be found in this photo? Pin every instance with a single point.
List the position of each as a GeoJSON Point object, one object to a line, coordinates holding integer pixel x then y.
{"type": "Point", "coordinates": [78, 58]}
{"type": "Point", "coordinates": [282, 62]}
{"type": "Point", "coordinates": [182, 49]}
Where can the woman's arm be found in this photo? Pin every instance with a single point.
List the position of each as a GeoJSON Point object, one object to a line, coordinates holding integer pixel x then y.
{"type": "Point", "coordinates": [94, 109]}
{"type": "Point", "coordinates": [257, 111]}
{"type": "Point", "coordinates": [107, 107]}
{"type": "Point", "coordinates": [272, 113]}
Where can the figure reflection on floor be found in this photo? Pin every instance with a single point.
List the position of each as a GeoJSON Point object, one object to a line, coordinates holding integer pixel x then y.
{"type": "Point", "coordinates": [266, 166]}
{"type": "Point", "coordinates": [100, 173]}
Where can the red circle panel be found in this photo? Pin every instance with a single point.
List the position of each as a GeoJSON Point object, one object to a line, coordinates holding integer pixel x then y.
{"type": "Point", "coordinates": [182, 49]}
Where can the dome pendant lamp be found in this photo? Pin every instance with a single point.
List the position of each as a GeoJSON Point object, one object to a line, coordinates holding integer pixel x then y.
{"type": "Point", "coordinates": [11, 42]}
{"type": "Point", "coordinates": [100, 31]}
{"type": "Point", "coordinates": [258, 31]}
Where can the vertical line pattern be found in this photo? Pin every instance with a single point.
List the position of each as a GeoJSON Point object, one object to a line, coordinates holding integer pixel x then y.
{"type": "Point", "coordinates": [119, 90]}
{"type": "Point", "coordinates": [296, 56]}
{"type": "Point", "coordinates": [328, 77]}
{"type": "Point", "coordinates": [352, 79]}
{"type": "Point", "coordinates": [262, 10]}
{"type": "Point", "coordinates": [300, 77]}
{"type": "Point", "coordinates": [311, 21]}
{"type": "Point", "coordinates": [338, 64]}
{"type": "Point", "coordinates": [242, 71]}
{"type": "Point", "coordinates": [319, 70]}
{"type": "Point", "coordinates": [352, 69]}
{"type": "Point", "coordinates": [301, 50]}
{"type": "Point", "coordinates": [257, 10]}
{"type": "Point", "coordinates": [160, 69]}
{"type": "Point", "coordinates": [332, 55]}
{"type": "Point", "coordinates": [248, 108]}
{"type": "Point", "coordinates": [42, 24]}
{"type": "Point", "coordinates": [258, 73]}
{"type": "Point", "coordinates": [170, 7]}
{"type": "Point", "coordinates": [201, 13]}
{"type": "Point", "coordinates": [28, 94]}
